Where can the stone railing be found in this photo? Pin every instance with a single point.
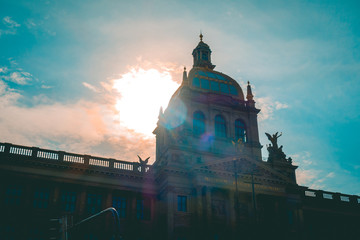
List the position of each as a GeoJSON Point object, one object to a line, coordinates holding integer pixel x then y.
{"type": "Point", "coordinates": [8, 149]}
{"type": "Point", "coordinates": [334, 196]}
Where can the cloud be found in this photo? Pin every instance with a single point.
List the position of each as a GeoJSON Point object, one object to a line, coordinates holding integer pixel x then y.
{"type": "Point", "coordinates": [85, 126]}
{"type": "Point", "coordinates": [15, 74]}
{"type": "Point", "coordinates": [10, 26]}
{"type": "Point", "coordinates": [268, 106]}
{"type": "Point", "coordinates": [89, 86]}
{"type": "Point", "coordinates": [21, 78]}
{"type": "Point", "coordinates": [10, 23]}
{"type": "Point", "coordinates": [279, 105]}
{"type": "Point", "coordinates": [3, 69]}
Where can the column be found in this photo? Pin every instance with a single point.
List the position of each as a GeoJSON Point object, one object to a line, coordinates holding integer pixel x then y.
{"type": "Point", "coordinates": [170, 213]}
{"type": "Point", "coordinates": [208, 203]}
{"type": "Point", "coordinates": [199, 207]}
{"type": "Point", "coordinates": [233, 210]}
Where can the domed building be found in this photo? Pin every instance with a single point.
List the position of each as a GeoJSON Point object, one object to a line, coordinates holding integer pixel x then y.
{"type": "Point", "coordinates": [208, 154]}
{"type": "Point", "coordinates": [209, 179]}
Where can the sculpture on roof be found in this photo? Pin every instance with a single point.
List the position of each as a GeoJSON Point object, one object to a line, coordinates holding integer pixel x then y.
{"type": "Point", "coordinates": [273, 139]}
{"type": "Point", "coordinates": [276, 153]}
{"type": "Point", "coordinates": [142, 164]}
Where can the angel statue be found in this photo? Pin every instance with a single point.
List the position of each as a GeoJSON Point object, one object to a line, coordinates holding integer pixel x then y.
{"type": "Point", "coordinates": [273, 139]}
{"type": "Point", "coordinates": [143, 163]}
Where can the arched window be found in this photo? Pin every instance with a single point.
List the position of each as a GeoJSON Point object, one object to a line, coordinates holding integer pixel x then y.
{"type": "Point", "coordinates": [240, 130]}
{"type": "Point", "coordinates": [220, 126]}
{"type": "Point", "coordinates": [198, 123]}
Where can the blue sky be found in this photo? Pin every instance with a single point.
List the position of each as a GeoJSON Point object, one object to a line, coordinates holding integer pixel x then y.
{"type": "Point", "coordinates": [60, 61]}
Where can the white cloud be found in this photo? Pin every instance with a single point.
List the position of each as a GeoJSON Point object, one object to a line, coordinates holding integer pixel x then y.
{"type": "Point", "coordinates": [10, 26]}
{"type": "Point", "coordinates": [21, 78]}
{"type": "Point", "coordinates": [89, 86]}
{"type": "Point", "coordinates": [10, 23]}
{"type": "Point", "coordinates": [15, 74]}
{"type": "Point", "coordinates": [268, 106]}
{"type": "Point", "coordinates": [3, 69]}
{"type": "Point", "coordinates": [279, 105]}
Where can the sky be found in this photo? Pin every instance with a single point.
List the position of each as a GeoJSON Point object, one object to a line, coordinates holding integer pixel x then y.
{"type": "Point", "coordinates": [89, 77]}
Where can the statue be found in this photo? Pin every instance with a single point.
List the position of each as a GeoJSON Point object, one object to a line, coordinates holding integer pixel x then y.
{"type": "Point", "coordinates": [143, 163]}
{"type": "Point", "coordinates": [273, 139]}
{"type": "Point", "coordinates": [275, 152]}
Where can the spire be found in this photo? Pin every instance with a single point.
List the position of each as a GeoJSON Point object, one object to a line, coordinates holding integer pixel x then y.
{"type": "Point", "coordinates": [249, 95]}
{"type": "Point", "coordinates": [160, 117]}
{"type": "Point", "coordinates": [185, 79]}
{"type": "Point", "coordinates": [201, 36]}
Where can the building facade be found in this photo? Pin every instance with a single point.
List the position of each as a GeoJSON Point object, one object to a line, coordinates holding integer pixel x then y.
{"type": "Point", "coordinates": [209, 180]}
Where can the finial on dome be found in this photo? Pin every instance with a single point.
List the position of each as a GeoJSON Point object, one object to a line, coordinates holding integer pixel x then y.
{"type": "Point", "coordinates": [249, 95]}
{"type": "Point", "coordinates": [185, 78]}
{"type": "Point", "coordinates": [201, 36]}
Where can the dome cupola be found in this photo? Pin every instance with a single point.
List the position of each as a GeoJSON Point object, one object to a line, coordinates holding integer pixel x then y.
{"type": "Point", "coordinates": [202, 55]}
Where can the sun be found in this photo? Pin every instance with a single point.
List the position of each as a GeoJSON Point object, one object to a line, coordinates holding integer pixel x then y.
{"type": "Point", "coordinates": [142, 93]}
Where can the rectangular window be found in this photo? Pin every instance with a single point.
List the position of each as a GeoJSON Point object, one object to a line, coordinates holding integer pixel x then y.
{"type": "Point", "coordinates": [93, 203]}
{"type": "Point", "coordinates": [120, 204]}
{"type": "Point", "coordinates": [13, 195]}
{"type": "Point", "coordinates": [68, 201]}
{"type": "Point", "coordinates": [41, 198]}
{"type": "Point", "coordinates": [182, 203]}
{"type": "Point", "coordinates": [143, 209]}
{"type": "Point", "coordinates": [140, 209]}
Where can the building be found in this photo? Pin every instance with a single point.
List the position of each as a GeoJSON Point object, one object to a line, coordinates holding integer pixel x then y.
{"type": "Point", "coordinates": [209, 180]}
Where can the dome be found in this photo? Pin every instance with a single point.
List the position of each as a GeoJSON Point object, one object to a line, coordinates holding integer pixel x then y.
{"type": "Point", "coordinates": [208, 80]}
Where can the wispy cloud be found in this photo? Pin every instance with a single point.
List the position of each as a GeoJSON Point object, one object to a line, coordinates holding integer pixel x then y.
{"type": "Point", "coordinates": [89, 86]}
{"type": "Point", "coordinates": [14, 73]}
{"type": "Point", "coordinates": [268, 106]}
{"type": "Point", "coordinates": [10, 26]}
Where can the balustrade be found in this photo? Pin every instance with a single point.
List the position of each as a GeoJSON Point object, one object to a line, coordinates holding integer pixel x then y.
{"type": "Point", "coordinates": [60, 156]}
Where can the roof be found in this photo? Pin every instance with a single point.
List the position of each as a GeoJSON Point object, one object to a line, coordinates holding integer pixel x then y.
{"type": "Point", "coordinates": [207, 80]}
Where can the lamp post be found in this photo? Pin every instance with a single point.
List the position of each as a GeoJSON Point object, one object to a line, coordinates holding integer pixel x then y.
{"type": "Point", "coordinates": [238, 149]}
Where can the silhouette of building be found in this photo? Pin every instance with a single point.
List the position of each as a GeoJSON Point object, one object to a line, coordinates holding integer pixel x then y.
{"type": "Point", "coordinates": [209, 180]}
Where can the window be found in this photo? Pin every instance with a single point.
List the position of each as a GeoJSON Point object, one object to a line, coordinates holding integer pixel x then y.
{"type": "Point", "coordinates": [13, 195]}
{"type": "Point", "coordinates": [93, 203]}
{"type": "Point", "coordinates": [120, 204]}
{"type": "Point", "coordinates": [182, 203]}
{"type": "Point", "coordinates": [140, 209]}
{"type": "Point", "coordinates": [196, 82]}
{"type": "Point", "coordinates": [233, 90]}
{"type": "Point", "coordinates": [214, 86]}
{"type": "Point", "coordinates": [240, 130]}
{"type": "Point", "coordinates": [198, 123]}
{"type": "Point", "coordinates": [220, 126]}
{"type": "Point", "coordinates": [143, 209]}
{"type": "Point", "coordinates": [41, 198]}
{"type": "Point", "coordinates": [205, 84]}
{"type": "Point", "coordinates": [204, 56]}
{"type": "Point", "coordinates": [68, 201]}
